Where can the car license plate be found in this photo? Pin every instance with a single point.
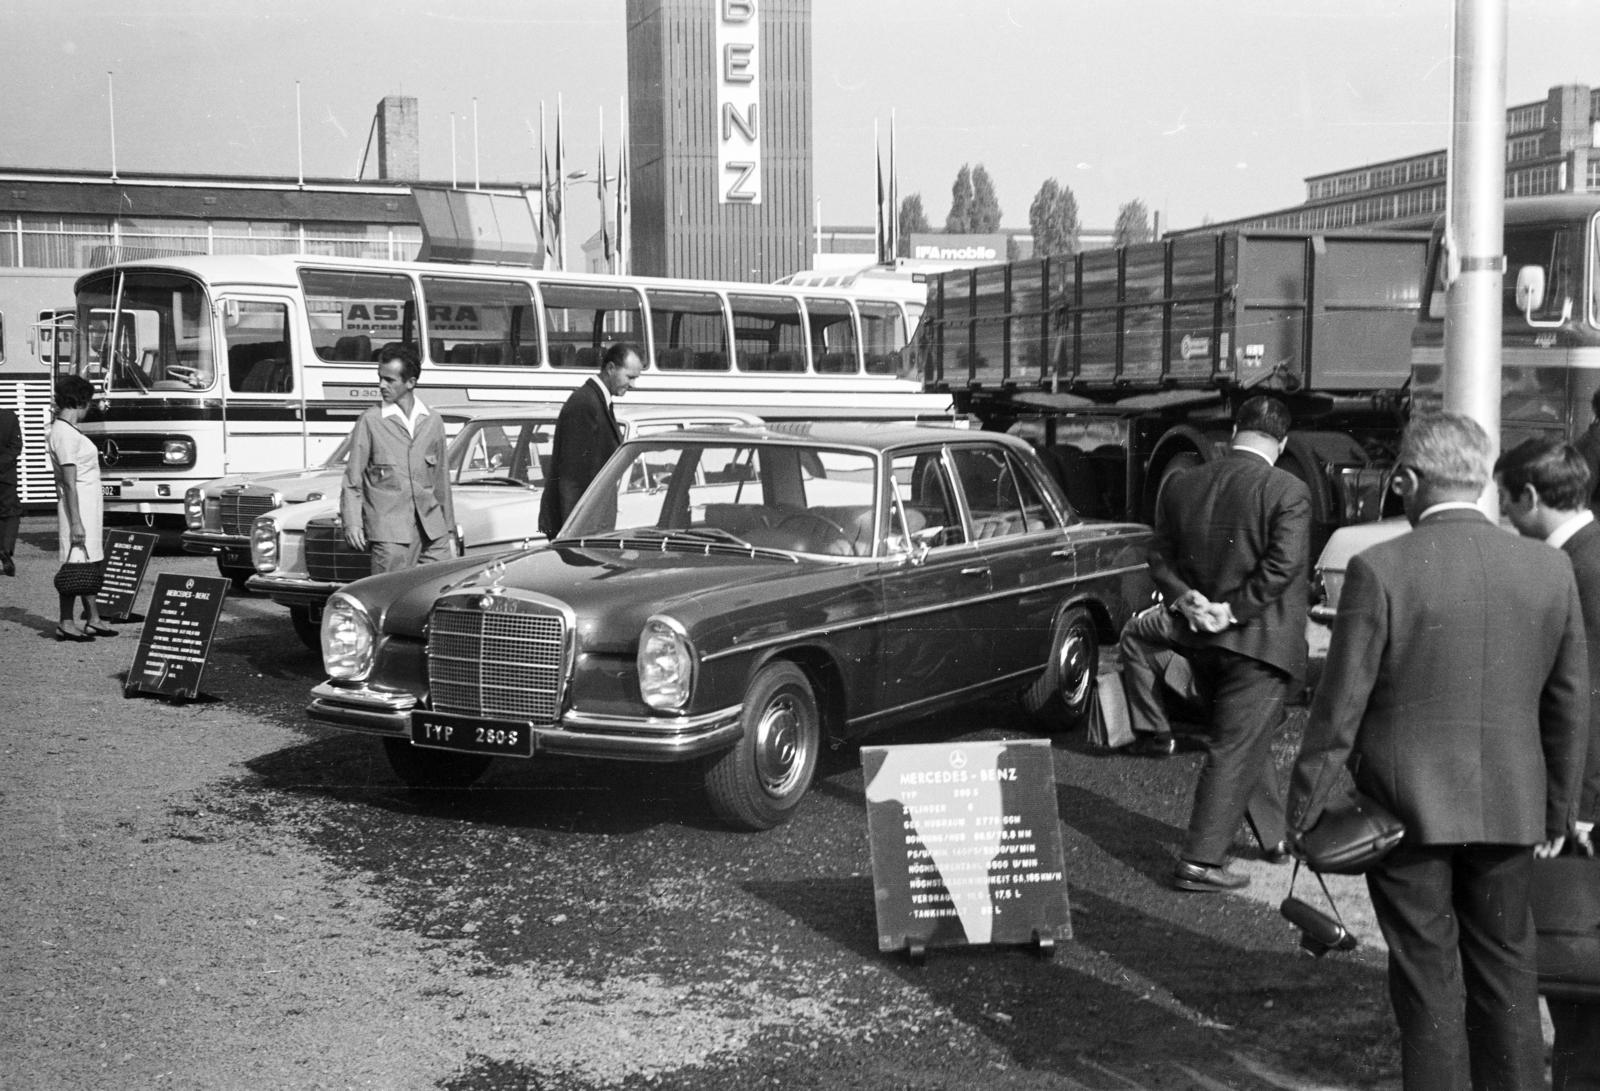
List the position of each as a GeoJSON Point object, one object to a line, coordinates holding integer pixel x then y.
{"type": "Point", "coordinates": [110, 490]}
{"type": "Point", "coordinates": [471, 734]}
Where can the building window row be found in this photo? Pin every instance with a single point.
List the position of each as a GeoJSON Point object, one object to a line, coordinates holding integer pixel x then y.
{"type": "Point", "coordinates": [1534, 181]}
{"type": "Point", "coordinates": [1388, 176]}
{"type": "Point", "coordinates": [1525, 119]}
{"type": "Point", "coordinates": [84, 242]}
{"type": "Point", "coordinates": [1523, 147]}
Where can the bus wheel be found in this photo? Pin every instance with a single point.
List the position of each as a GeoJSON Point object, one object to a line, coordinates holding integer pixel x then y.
{"type": "Point", "coordinates": [759, 783]}
{"type": "Point", "coordinates": [419, 767]}
{"type": "Point", "coordinates": [1180, 462]}
{"type": "Point", "coordinates": [1061, 697]}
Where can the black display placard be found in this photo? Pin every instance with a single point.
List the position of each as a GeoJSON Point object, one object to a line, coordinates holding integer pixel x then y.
{"type": "Point", "coordinates": [127, 554]}
{"type": "Point", "coordinates": [966, 845]}
{"type": "Point", "coordinates": [176, 639]}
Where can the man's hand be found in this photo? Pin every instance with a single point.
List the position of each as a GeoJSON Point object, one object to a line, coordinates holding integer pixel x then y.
{"type": "Point", "coordinates": [1192, 606]}
{"type": "Point", "coordinates": [1583, 838]}
{"type": "Point", "coordinates": [355, 538]}
{"type": "Point", "coordinates": [1549, 848]}
{"type": "Point", "coordinates": [1214, 617]}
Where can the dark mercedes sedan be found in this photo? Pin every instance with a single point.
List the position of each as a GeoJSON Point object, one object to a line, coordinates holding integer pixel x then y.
{"type": "Point", "coordinates": [733, 600]}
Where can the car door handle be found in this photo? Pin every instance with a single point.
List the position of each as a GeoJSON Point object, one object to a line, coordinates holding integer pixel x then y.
{"type": "Point", "coordinates": [976, 570]}
{"type": "Point", "coordinates": [1062, 553]}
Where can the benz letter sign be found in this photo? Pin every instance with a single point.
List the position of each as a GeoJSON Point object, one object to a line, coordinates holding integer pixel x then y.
{"type": "Point", "coordinates": [738, 93]}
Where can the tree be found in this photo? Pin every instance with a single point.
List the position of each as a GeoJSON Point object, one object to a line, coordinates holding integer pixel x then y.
{"type": "Point", "coordinates": [1053, 217]}
{"type": "Point", "coordinates": [1133, 224]}
{"type": "Point", "coordinates": [985, 205]}
{"type": "Point", "coordinates": [959, 222]}
{"type": "Point", "coordinates": [913, 221]}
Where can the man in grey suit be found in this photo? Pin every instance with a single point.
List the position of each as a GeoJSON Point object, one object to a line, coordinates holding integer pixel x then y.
{"type": "Point", "coordinates": [1229, 555]}
{"type": "Point", "coordinates": [396, 493]}
{"type": "Point", "coordinates": [1456, 692]}
{"type": "Point", "coordinates": [1544, 491]}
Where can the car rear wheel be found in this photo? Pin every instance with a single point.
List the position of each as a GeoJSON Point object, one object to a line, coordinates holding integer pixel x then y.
{"type": "Point", "coordinates": [1062, 696]}
{"type": "Point", "coordinates": [420, 767]}
{"type": "Point", "coordinates": [759, 783]}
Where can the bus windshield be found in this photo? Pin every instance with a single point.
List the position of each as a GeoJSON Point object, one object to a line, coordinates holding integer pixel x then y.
{"type": "Point", "coordinates": [144, 332]}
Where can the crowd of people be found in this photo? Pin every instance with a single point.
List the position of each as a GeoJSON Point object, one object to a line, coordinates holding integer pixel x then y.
{"type": "Point", "coordinates": [1456, 694]}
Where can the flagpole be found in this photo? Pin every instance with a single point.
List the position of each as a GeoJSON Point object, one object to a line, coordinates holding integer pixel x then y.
{"type": "Point", "coordinates": [622, 187]}
{"type": "Point", "coordinates": [477, 182]}
{"type": "Point", "coordinates": [561, 193]}
{"type": "Point", "coordinates": [894, 199]}
{"type": "Point", "coordinates": [452, 149]}
{"type": "Point", "coordinates": [111, 109]}
{"type": "Point", "coordinates": [877, 223]}
{"type": "Point", "coordinates": [299, 142]}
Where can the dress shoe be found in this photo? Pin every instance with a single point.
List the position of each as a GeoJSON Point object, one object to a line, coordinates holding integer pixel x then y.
{"type": "Point", "coordinates": [1154, 746]}
{"type": "Point", "coordinates": [7, 565]}
{"type": "Point", "coordinates": [1276, 854]}
{"type": "Point", "coordinates": [1204, 879]}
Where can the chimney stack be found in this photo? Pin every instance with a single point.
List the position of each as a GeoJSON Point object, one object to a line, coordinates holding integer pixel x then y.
{"type": "Point", "coordinates": [399, 155]}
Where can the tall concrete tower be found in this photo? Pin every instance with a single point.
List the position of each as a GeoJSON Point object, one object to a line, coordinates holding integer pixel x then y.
{"type": "Point", "coordinates": [719, 114]}
{"type": "Point", "coordinates": [399, 148]}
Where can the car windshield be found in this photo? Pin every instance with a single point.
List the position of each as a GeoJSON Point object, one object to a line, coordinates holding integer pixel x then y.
{"type": "Point", "coordinates": [502, 452]}
{"type": "Point", "coordinates": [773, 496]}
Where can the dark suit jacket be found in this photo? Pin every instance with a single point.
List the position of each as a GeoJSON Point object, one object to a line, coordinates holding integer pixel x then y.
{"type": "Point", "coordinates": [1456, 687]}
{"type": "Point", "coordinates": [1583, 549]}
{"type": "Point", "coordinates": [586, 435]}
{"type": "Point", "coordinates": [10, 451]}
{"type": "Point", "coordinates": [1238, 531]}
{"type": "Point", "coordinates": [394, 481]}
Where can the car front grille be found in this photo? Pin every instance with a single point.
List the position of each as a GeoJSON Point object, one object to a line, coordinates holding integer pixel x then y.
{"type": "Point", "coordinates": [507, 662]}
{"type": "Point", "coordinates": [328, 558]}
{"type": "Point", "coordinates": [238, 510]}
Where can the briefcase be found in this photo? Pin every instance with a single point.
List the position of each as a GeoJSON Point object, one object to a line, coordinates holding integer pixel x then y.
{"type": "Point", "coordinates": [1109, 725]}
{"type": "Point", "coordinates": [1350, 837]}
{"type": "Point", "coordinates": [1566, 915]}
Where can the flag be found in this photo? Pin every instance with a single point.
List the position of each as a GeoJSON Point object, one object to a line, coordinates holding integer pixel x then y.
{"type": "Point", "coordinates": [546, 222]}
{"type": "Point", "coordinates": [879, 235]}
{"type": "Point", "coordinates": [622, 193]}
{"type": "Point", "coordinates": [558, 195]}
{"type": "Point", "coordinates": [605, 202]}
{"type": "Point", "coordinates": [894, 199]}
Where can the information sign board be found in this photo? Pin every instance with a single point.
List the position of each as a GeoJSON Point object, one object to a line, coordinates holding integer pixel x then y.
{"type": "Point", "coordinates": [176, 639]}
{"type": "Point", "coordinates": [127, 554]}
{"type": "Point", "coordinates": [966, 845]}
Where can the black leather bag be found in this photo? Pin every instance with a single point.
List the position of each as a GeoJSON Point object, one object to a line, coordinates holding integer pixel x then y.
{"type": "Point", "coordinates": [79, 577]}
{"type": "Point", "coordinates": [1566, 915]}
{"type": "Point", "coordinates": [1350, 837]}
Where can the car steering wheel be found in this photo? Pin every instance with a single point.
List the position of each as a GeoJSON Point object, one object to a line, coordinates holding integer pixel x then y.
{"type": "Point", "coordinates": [818, 530]}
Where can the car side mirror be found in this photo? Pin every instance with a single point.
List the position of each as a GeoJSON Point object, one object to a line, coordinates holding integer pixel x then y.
{"type": "Point", "coordinates": [1530, 297]}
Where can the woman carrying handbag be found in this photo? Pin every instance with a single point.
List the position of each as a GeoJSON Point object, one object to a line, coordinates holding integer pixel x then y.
{"type": "Point", "coordinates": [78, 508]}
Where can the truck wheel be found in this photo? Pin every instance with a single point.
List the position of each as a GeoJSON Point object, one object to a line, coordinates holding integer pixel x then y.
{"type": "Point", "coordinates": [1062, 696]}
{"type": "Point", "coordinates": [239, 576]}
{"type": "Point", "coordinates": [309, 630]}
{"type": "Point", "coordinates": [759, 783]}
{"type": "Point", "coordinates": [419, 767]}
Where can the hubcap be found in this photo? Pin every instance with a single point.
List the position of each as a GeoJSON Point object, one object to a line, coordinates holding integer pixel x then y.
{"type": "Point", "coordinates": [1074, 673]}
{"type": "Point", "coordinates": [779, 749]}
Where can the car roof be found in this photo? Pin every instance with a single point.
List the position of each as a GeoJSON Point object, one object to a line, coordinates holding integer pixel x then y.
{"type": "Point", "coordinates": [865, 435]}
{"type": "Point", "coordinates": [473, 411]}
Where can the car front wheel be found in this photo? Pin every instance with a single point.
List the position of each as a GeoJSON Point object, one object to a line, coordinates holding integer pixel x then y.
{"type": "Point", "coordinates": [759, 783]}
{"type": "Point", "coordinates": [420, 767]}
{"type": "Point", "coordinates": [1062, 696]}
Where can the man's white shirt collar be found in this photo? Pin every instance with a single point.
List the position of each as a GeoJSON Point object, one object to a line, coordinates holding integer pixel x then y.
{"type": "Point", "coordinates": [605, 391]}
{"type": "Point", "coordinates": [418, 411]}
{"type": "Point", "coordinates": [1262, 455]}
{"type": "Point", "coordinates": [1563, 534]}
{"type": "Point", "coordinates": [1451, 505]}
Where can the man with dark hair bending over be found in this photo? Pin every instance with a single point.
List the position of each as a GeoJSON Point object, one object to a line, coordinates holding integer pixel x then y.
{"type": "Point", "coordinates": [586, 435]}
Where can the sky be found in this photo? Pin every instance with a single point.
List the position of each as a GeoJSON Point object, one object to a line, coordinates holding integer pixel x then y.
{"type": "Point", "coordinates": [1200, 108]}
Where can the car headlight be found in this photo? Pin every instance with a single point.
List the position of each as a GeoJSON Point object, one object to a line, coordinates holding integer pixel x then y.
{"type": "Point", "coordinates": [194, 508]}
{"type": "Point", "coordinates": [666, 664]}
{"type": "Point", "coordinates": [264, 544]}
{"type": "Point", "coordinates": [349, 639]}
{"type": "Point", "coordinates": [177, 452]}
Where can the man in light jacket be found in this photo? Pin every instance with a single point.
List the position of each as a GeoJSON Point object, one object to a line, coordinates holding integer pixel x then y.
{"type": "Point", "coordinates": [396, 493]}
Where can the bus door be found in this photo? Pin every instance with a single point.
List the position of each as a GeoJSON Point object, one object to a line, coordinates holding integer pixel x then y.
{"type": "Point", "coordinates": [263, 390]}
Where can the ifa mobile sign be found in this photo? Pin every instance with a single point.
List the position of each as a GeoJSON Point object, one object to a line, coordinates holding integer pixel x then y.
{"type": "Point", "coordinates": [738, 94]}
{"type": "Point", "coordinates": [959, 249]}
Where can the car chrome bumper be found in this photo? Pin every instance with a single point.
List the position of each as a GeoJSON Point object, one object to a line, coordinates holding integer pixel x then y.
{"type": "Point", "coordinates": [387, 712]}
{"type": "Point", "coordinates": [206, 541]}
{"type": "Point", "coordinates": [289, 591]}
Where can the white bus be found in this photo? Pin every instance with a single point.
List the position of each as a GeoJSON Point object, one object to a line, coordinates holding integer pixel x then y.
{"type": "Point", "coordinates": [209, 365]}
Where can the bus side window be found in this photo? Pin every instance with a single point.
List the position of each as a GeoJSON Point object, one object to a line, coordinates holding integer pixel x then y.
{"type": "Point", "coordinates": [259, 360]}
{"type": "Point", "coordinates": [768, 333]}
{"type": "Point", "coordinates": [691, 330]}
{"type": "Point", "coordinates": [479, 321]}
{"type": "Point", "coordinates": [581, 319]}
{"type": "Point", "coordinates": [833, 336]}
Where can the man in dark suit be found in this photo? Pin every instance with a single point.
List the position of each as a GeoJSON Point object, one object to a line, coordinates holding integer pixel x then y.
{"type": "Point", "coordinates": [396, 493]}
{"type": "Point", "coordinates": [10, 505]}
{"type": "Point", "coordinates": [1229, 555]}
{"type": "Point", "coordinates": [1456, 691]}
{"type": "Point", "coordinates": [586, 435]}
{"type": "Point", "coordinates": [1544, 491]}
